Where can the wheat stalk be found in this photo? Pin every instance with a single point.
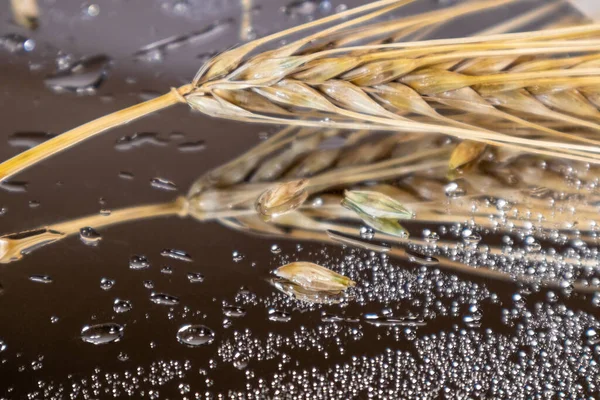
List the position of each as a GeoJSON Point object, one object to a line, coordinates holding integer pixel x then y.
{"type": "Point", "coordinates": [355, 75]}
{"type": "Point", "coordinates": [14, 246]}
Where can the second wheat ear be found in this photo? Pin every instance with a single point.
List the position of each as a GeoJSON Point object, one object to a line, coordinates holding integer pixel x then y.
{"type": "Point", "coordinates": [359, 74]}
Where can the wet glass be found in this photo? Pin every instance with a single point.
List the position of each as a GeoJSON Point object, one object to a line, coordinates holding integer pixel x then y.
{"type": "Point", "coordinates": [135, 264]}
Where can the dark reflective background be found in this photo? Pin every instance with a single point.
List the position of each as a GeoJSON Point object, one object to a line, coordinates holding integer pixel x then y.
{"type": "Point", "coordinates": [514, 349]}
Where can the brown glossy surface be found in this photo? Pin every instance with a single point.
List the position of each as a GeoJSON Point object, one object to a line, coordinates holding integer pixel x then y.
{"type": "Point", "coordinates": [90, 172]}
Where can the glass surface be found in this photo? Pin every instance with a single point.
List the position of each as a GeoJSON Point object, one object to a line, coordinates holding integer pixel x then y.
{"type": "Point", "coordinates": [175, 307]}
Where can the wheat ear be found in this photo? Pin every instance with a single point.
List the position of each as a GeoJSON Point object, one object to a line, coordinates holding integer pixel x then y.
{"type": "Point", "coordinates": [382, 86]}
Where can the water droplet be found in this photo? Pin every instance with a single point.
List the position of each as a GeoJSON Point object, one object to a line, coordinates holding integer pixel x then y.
{"type": "Point", "coordinates": [16, 43]}
{"type": "Point", "coordinates": [184, 388]}
{"type": "Point", "coordinates": [2, 345]}
{"type": "Point", "coordinates": [28, 140]}
{"type": "Point", "coordinates": [326, 317]}
{"type": "Point", "coordinates": [304, 7]}
{"type": "Point", "coordinates": [149, 284]}
{"type": "Point", "coordinates": [471, 237]}
{"type": "Point", "coordinates": [453, 190]}
{"type": "Point", "coordinates": [421, 259]}
{"type": "Point", "coordinates": [167, 270]}
{"type": "Point", "coordinates": [240, 360]}
{"type": "Point", "coordinates": [150, 53]}
{"type": "Point", "coordinates": [540, 192]}
{"type": "Point", "coordinates": [356, 242]}
{"type": "Point", "coordinates": [156, 51]}
{"type": "Point", "coordinates": [122, 356]}
{"type": "Point", "coordinates": [341, 8]}
{"type": "Point", "coordinates": [164, 299]}
{"type": "Point", "coordinates": [234, 312]}
{"type": "Point", "coordinates": [139, 139]}
{"type": "Point", "coordinates": [377, 320]}
{"type": "Point", "coordinates": [122, 306]}
{"type": "Point", "coordinates": [176, 254]}
{"type": "Point", "coordinates": [106, 284]}
{"type": "Point", "coordinates": [102, 333]}
{"type": "Point", "coordinates": [472, 320]}
{"type": "Point", "coordinates": [126, 175]}
{"type": "Point", "coordinates": [40, 278]}
{"type": "Point", "coordinates": [29, 45]}
{"type": "Point", "coordinates": [84, 76]}
{"type": "Point", "coordinates": [431, 237]}
{"type": "Point", "coordinates": [502, 205]}
{"type": "Point", "coordinates": [195, 335]}
{"type": "Point", "coordinates": [275, 249]}
{"type": "Point", "coordinates": [91, 10]}
{"type": "Point", "coordinates": [237, 256]}
{"type": "Point", "coordinates": [89, 236]}
{"type": "Point", "coordinates": [517, 297]}
{"type": "Point", "coordinates": [195, 277]}
{"type": "Point", "coordinates": [192, 147]}
{"type": "Point", "coordinates": [14, 186]}
{"type": "Point", "coordinates": [367, 232]}
{"type": "Point", "coordinates": [176, 135]}
{"type": "Point", "coordinates": [596, 299]}
{"type": "Point", "coordinates": [531, 245]}
{"type": "Point", "coordinates": [279, 316]}
{"type": "Point", "coordinates": [54, 319]}
{"type": "Point", "coordinates": [163, 184]}
{"type": "Point", "coordinates": [592, 337]}
{"type": "Point", "coordinates": [63, 61]}
{"type": "Point", "coordinates": [138, 262]}
{"type": "Point", "coordinates": [34, 203]}
{"type": "Point", "coordinates": [179, 7]}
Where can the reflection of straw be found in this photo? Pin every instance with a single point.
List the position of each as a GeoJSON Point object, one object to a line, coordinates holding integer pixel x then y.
{"type": "Point", "coordinates": [312, 220]}
{"type": "Point", "coordinates": [176, 207]}
{"type": "Point", "coordinates": [13, 246]}
{"type": "Point", "coordinates": [297, 227]}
